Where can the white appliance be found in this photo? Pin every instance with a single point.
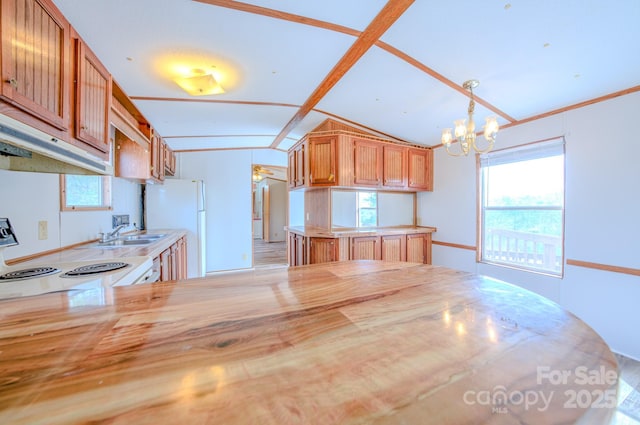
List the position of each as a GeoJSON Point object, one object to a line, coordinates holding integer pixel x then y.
{"type": "Point", "coordinates": [73, 277]}
{"type": "Point", "coordinates": [180, 204]}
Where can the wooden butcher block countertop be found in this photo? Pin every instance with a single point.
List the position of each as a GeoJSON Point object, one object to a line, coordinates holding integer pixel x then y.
{"type": "Point", "coordinates": [333, 343]}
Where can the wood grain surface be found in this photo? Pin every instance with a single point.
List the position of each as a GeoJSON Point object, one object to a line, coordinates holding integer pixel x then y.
{"type": "Point", "coordinates": [339, 343]}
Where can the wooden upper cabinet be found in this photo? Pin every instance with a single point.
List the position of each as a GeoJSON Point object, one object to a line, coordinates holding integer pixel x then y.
{"type": "Point", "coordinates": [367, 159]}
{"type": "Point", "coordinates": [131, 159]}
{"type": "Point", "coordinates": [35, 62]}
{"type": "Point", "coordinates": [394, 168]}
{"type": "Point", "coordinates": [296, 169]}
{"type": "Point", "coordinates": [420, 169]}
{"type": "Point", "coordinates": [169, 161]}
{"type": "Point", "coordinates": [157, 156]}
{"type": "Point", "coordinates": [344, 159]}
{"type": "Point", "coordinates": [300, 166]}
{"type": "Point", "coordinates": [322, 160]}
{"type": "Point", "coordinates": [92, 98]}
{"type": "Point", "coordinates": [291, 168]}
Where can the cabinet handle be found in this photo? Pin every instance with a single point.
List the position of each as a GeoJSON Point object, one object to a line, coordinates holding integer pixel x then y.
{"type": "Point", "coordinates": [13, 82]}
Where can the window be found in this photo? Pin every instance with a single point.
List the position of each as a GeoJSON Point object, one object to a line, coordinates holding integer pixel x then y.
{"type": "Point", "coordinates": [367, 214]}
{"type": "Point", "coordinates": [80, 192]}
{"type": "Point", "coordinates": [522, 207]}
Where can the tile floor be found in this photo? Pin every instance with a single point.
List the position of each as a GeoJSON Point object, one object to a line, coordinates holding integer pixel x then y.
{"type": "Point", "coordinates": [628, 392]}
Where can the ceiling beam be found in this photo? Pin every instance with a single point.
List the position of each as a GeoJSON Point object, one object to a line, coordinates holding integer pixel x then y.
{"type": "Point", "coordinates": [387, 16]}
{"type": "Point", "coordinates": [277, 14]}
{"type": "Point", "coordinates": [272, 13]}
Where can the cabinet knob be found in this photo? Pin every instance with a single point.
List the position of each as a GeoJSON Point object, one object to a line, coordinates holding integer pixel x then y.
{"type": "Point", "coordinates": [13, 82]}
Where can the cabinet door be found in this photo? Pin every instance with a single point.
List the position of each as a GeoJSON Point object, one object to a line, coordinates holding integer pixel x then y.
{"type": "Point", "coordinates": [393, 247]}
{"type": "Point", "coordinates": [394, 169]}
{"type": "Point", "coordinates": [182, 243]}
{"type": "Point", "coordinates": [173, 259]}
{"type": "Point", "coordinates": [420, 169]}
{"type": "Point", "coordinates": [322, 160]}
{"type": "Point", "coordinates": [323, 250]}
{"type": "Point", "coordinates": [299, 169]}
{"type": "Point", "coordinates": [300, 250]}
{"type": "Point", "coordinates": [165, 265]}
{"type": "Point", "coordinates": [367, 157]}
{"type": "Point", "coordinates": [419, 248]}
{"type": "Point", "coordinates": [157, 158]}
{"type": "Point", "coordinates": [169, 160]}
{"type": "Point", "coordinates": [297, 250]}
{"type": "Point", "coordinates": [35, 62]}
{"type": "Point", "coordinates": [131, 160]}
{"type": "Point", "coordinates": [92, 100]}
{"type": "Point", "coordinates": [365, 248]}
{"type": "Point", "coordinates": [291, 171]}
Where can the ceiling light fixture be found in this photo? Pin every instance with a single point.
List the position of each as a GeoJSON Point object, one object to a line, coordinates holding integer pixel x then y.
{"type": "Point", "coordinates": [199, 84]}
{"type": "Point", "coordinates": [466, 133]}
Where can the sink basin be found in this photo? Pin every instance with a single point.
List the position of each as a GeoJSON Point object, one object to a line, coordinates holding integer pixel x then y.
{"type": "Point", "coordinates": [151, 237]}
{"type": "Point", "coordinates": [126, 242]}
{"type": "Point", "coordinates": [131, 240]}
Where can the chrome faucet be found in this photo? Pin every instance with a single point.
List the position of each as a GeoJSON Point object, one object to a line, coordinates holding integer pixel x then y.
{"type": "Point", "coordinates": [109, 236]}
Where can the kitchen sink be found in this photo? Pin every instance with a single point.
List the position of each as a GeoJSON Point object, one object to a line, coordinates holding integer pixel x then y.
{"type": "Point", "coordinates": [151, 237]}
{"type": "Point", "coordinates": [130, 240]}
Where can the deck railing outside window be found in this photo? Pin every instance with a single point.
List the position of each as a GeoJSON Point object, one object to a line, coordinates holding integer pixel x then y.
{"type": "Point", "coordinates": [528, 250]}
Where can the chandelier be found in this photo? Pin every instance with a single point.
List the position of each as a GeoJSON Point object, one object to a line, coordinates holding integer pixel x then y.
{"type": "Point", "coordinates": [465, 134]}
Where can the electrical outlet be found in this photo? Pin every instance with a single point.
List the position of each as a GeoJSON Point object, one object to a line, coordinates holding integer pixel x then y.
{"type": "Point", "coordinates": [117, 220]}
{"type": "Point", "coordinates": [307, 216]}
{"type": "Point", "coordinates": [244, 257]}
{"type": "Point", "coordinates": [43, 232]}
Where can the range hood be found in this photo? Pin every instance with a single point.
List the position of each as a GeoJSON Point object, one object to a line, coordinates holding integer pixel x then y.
{"type": "Point", "coordinates": [24, 148]}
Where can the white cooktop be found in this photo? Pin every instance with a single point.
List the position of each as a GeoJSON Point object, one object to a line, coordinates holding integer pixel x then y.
{"type": "Point", "coordinates": [136, 267]}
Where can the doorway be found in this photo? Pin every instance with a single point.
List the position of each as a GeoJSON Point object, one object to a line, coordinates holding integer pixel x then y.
{"type": "Point", "coordinates": [270, 198]}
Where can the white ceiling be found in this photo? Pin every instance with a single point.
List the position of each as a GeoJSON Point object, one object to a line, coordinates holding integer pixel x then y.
{"type": "Point", "coordinates": [531, 57]}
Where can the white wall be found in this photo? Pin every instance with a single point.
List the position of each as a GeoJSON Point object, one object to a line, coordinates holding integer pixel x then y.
{"type": "Point", "coordinates": [28, 198]}
{"type": "Point", "coordinates": [228, 185]}
{"type": "Point", "coordinates": [601, 218]}
{"type": "Point", "coordinates": [278, 210]}
{"type": "Point", "coordinates": [296, 208]}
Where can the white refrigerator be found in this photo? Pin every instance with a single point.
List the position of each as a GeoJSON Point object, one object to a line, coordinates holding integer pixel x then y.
{"type": "Point", "coordinates": [180, 204]}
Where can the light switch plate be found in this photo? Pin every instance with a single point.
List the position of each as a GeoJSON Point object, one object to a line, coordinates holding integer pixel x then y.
{"type": "Point", "coordinates": [43, 231]}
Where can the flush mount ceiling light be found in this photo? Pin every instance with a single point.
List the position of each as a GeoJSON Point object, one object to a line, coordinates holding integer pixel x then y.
{"type": "Point", "coordinates": [200, 83]}
{"type": "Point", "coordinates": [466, 133]}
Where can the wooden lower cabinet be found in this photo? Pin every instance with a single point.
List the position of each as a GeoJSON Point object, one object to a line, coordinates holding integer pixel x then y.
{"type": "Point", "coordinates": [323, 250]}
{"type": "Point", "coordinates": [297, 250]}
{"type": "Point", "coordinates": [419, 248]}
{"type": "Point", "coordinates": [398, 247]}
{"type": "Point", "coordinates": [173, 262]}
{"type": "Point", "coordinates": [393, 248]}
{"type": "Point", "coordinates": [365, 248]}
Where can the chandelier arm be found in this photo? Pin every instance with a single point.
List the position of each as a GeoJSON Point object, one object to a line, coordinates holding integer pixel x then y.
{"type": "Point", "coordinates": [461, 153]}
{"type": "Point", "coordinates": [482, 151]}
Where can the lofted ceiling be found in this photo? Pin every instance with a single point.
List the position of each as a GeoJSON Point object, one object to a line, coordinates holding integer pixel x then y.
{"type": "Point", "coordinates": [396, 67]}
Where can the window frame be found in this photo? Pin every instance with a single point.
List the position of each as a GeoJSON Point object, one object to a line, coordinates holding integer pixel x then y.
{"type": "Point", "coordinates": [554, 143]}
{"type": "Point", "coordinates": [107, 202]}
